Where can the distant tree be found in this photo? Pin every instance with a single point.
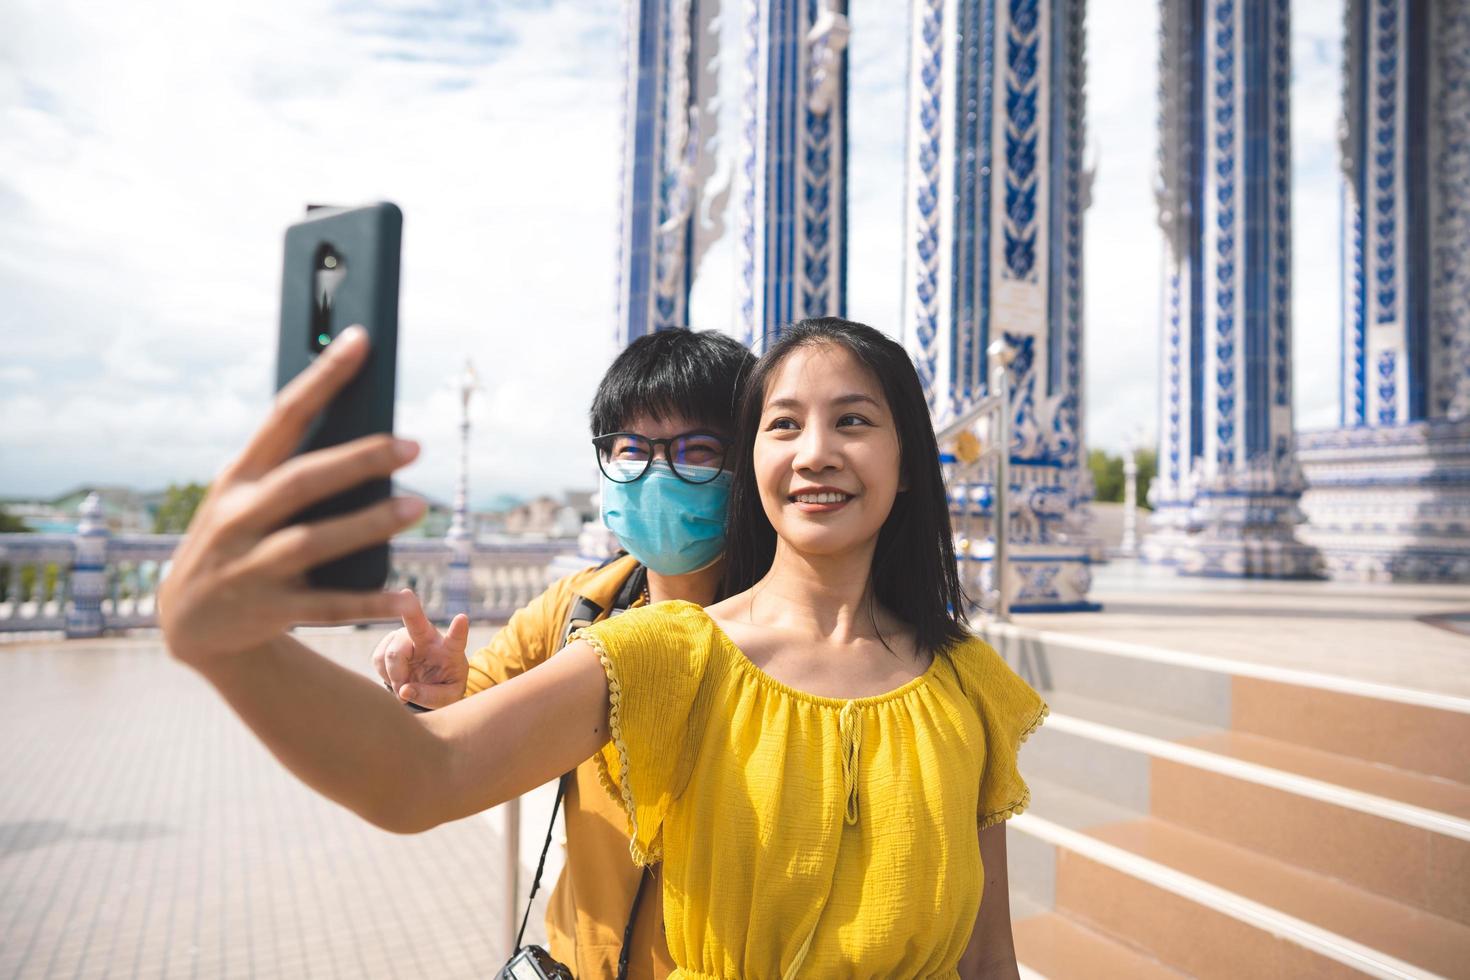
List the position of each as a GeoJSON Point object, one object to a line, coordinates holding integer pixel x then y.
{"type": "Point", "coordinates": [177, 509]}
{"type": "Point", "coordinates": [32, 587]}
{"type": "Point", "coordinates": [9, 524]}
{"type": "Point", "coordinates": [1148, 468]}
{"type": "Point", "coordinates": [1107, 475]}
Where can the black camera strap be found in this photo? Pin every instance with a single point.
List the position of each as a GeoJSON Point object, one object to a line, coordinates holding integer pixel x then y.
{"type": "Point", "coordinates": [632, 921]}
{"type": "Point", "coordinates": [561, 789]}
{"type": "Point", "coordinates": [584, 612]}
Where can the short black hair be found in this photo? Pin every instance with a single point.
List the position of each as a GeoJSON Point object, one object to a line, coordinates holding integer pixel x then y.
{"type": "Point", "coordinates": [673, 372]}
{"type": "Point", "coordinates": [914, 574]}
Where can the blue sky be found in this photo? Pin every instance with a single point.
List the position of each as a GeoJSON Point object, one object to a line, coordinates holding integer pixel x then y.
{"type": "Point", "coordinates": [151, 155]}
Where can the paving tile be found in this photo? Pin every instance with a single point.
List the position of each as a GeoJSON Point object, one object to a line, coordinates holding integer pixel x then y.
{"type": "Point", "coordinates": [145, 833]}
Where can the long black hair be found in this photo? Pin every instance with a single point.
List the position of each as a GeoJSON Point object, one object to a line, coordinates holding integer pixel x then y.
{"type": "Point", "coordinates": [914, 574]}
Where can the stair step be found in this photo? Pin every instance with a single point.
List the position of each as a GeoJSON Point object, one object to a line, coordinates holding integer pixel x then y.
{"type": "Point", "coordinates": [1229, 787]}
{"type": "Point", "coordinates": [1415, 737]}
{"type": "Point", "coordinates": [1214, 909]}
{"type": "Point", "coordinates": [1141, 720]}
{"type": "Point", "coordinates": [1056, 947]}
{"type": "Point", "coordinates": [1401, 861]}
{"type": "Point", "coordinates": [1415, 788]}
{"type": "Point", "coordinates": [1406, 729]}
{"type": "Point", "coordinates": [1188, 924]}
{"type": "Point", "coordinates": [1249, 760]}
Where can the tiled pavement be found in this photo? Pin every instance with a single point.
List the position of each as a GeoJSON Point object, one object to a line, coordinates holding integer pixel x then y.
{"type": "Point", "coordinates": [144, 832]}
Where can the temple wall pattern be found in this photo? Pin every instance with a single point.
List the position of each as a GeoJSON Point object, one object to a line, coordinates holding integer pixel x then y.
{"type": "Point", "coordinates": [995, 197]}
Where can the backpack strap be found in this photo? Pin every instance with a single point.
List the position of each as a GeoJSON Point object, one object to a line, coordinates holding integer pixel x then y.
{"type": "Point", "coordinates": [584, 612]}
{"type": "Point", "coordinates": [633, 587]}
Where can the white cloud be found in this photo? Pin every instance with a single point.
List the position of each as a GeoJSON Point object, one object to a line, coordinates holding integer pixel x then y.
{"type": "Point", "coordinates": [1123, 247]}
{"type": "Point", "coordinates": [1316, 88]}
{"type": "Point", "coordinates": [878, 76]}
{"type": "Point", "coordinates": [146, 177]}
{"type": "Point", "coordinates": [152, 154]}
{"type": "Point", "coordinates": [1121, 237]}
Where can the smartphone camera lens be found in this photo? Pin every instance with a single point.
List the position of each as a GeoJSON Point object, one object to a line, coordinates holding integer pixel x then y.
{"type": "Point", "coordinates": [329, 269]}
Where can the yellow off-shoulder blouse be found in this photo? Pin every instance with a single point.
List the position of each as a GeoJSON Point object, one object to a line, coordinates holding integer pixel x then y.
{"type": "Point", "coordinates": [803, 835]}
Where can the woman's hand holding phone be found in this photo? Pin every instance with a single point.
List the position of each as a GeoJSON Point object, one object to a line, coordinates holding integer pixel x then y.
{"type": "Point", "coordinates": [238, 577]}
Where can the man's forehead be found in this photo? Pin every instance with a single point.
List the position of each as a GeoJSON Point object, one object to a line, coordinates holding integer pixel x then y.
{"type": "Point", "coordinates": [664, 426]}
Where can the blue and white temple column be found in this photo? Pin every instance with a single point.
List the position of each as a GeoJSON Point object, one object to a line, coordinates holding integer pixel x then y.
{"type": "Point", "coordinates": [994, 203]}
{"type": "Point", "coordinates": [1227, 497]}
{"type": "Point", "coordinates": [1390, 491]}
{"type": "Point", "coordinates": [669, 86]}
{"type": "Point", "coordinates": [793, 165]}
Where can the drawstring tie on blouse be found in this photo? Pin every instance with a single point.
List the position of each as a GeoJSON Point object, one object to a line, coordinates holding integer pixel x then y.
{"type": "Point", "coordinates": [850, 725]}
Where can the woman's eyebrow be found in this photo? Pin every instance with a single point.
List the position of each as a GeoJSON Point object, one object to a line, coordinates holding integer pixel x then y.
{"type": "Point", "coordinates": [791, 402]}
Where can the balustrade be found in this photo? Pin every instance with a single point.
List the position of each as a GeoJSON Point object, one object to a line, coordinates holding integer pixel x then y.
{"type": "Point", "coordinates": [37, 572]}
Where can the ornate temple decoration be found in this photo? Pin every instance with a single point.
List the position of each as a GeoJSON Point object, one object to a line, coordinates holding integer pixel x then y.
{"type": "Point", "coordinates": [1386, 277]}
{"type": "Point", "coordinates": [668, 159]}
{"type": "Point", "coordinates": [1226, 499]}
{"type": "Point", "coordinates": [793, 164]}
{"type": "Point", "coordinates": [996, 189]}
{"type": "Point", "coordinates": [1178, 434]}
{"type": "Point", "coordinates": [1449, 188]}
{"type": "Point", "coordinates": [994, 205]}
{"type": "Point", "coordinates": [921, 297]}
{"type": "Point", "coordinates": [1389, 492]}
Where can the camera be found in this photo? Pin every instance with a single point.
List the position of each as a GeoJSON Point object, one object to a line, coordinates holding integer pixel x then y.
{"type": "Point", "coordinates": [533, 963]}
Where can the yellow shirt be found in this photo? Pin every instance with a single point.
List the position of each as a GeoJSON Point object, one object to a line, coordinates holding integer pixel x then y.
{"type": "Point", "coordinates": [588, 908]}
{"type": "Point", "coordinates": [802, 834]}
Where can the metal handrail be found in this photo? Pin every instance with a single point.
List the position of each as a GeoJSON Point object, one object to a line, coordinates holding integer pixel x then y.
{"type": "Point", "coordinates": [995, 406]}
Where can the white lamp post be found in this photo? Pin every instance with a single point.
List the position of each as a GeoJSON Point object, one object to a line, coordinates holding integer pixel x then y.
{"type": "Point", "coordinates": [461, 538]}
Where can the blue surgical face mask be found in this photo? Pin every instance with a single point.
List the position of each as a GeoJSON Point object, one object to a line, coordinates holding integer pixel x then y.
{"type": "Point", "coordinates": [672, 526]}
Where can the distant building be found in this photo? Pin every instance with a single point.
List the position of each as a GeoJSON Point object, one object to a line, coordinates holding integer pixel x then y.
{"type": "Point", "coordinates": [127, 511]}
{"type": "Point", "coordinates": [544, 517]}
{"type": "Point", "coordinates": [130, 511]}
{"type": "Point", "coordinates": [436, 519]}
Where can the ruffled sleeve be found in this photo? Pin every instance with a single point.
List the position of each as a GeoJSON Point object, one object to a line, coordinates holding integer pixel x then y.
{"type": "Point", "coordinates": [656, 660]}
{"type": "Point", "coordinates": [1009, 712]}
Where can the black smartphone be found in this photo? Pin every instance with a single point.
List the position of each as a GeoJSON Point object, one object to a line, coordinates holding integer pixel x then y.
{"type": "Point", "coordinates": [342, 269]}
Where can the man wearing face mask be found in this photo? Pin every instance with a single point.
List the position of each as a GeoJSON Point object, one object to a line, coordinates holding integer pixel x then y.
{"type": "Point", "coordinates": [662, 418]}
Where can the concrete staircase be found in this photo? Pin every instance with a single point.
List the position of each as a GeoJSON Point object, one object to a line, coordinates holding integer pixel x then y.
{"type": "Point", "coordinates": [1194, 816]}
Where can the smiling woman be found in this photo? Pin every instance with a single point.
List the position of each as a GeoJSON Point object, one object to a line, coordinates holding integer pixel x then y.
{"type": "Point", "coordinates": [796, 399]}
{"type": "Point", "coordinates": [822, 762]}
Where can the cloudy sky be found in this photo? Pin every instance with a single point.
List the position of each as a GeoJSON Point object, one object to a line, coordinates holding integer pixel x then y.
{"type": "Point", "coordinates": [152, 153]}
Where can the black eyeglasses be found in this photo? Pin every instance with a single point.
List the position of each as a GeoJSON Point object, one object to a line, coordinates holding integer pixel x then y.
{"type": "Point", "coordinates": [694, 457]}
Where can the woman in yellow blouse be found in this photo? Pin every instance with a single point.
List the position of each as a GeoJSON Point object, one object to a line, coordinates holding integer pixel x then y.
{"type": "Point", "coordinates": [823, 762]}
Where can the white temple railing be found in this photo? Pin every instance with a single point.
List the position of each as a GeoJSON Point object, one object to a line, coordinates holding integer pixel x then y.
{"type": "Point", "coordinates": [977, 480]}
{"type": "Point", "coordinates": [35, 581]}
{"type": "Point", "coordinates": [38, 573]}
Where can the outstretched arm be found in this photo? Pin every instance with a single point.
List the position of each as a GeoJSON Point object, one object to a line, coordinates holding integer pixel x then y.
{"type": "Point", "coordinates": [351, 740]}
{"type": "Point", "coordinates": [236, 587]}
